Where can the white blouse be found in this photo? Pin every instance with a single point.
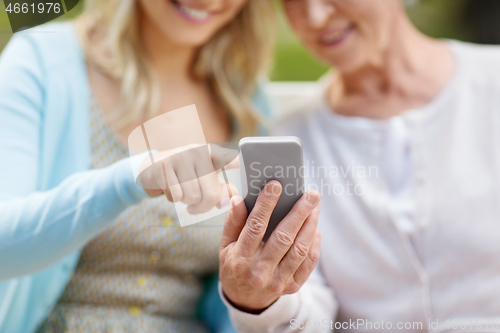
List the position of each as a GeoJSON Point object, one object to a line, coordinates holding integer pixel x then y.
{"type": "Point", "coordinates": [410, 213]}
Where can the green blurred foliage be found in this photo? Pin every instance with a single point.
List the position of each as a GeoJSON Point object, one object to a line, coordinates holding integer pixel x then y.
{"type": "Point", "coordinates": [292, 62]}
{"type": "Point", "coordinates": [437, 18]}
{"type": "Point", "coordinates": [6, 32]}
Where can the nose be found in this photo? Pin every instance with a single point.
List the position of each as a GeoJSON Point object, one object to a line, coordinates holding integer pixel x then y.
{"type": "Point", "coordinates": [319, 11]}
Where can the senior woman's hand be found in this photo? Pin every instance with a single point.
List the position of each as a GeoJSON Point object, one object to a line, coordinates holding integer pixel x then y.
{"type": "Point", "coordinates": [255, 274]}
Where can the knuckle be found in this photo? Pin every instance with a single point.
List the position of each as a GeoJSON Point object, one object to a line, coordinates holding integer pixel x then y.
{"type": "Point", "coordinates": [195, 151]}
{"type": "Point", "coordinates": [257, 280]}
{"type": "Point", "coordinates": [176, 191]}
{"type": "Point", "coordinates": [174, 160]}
{"type": "Point", "coordinates": [258, 214]}
{"type": "Point", "coordinates": [276, 287]}
{"type": "Point", "coordinates": [157, 170]}
{"type": "Point", "coordinates": [194, 197]}
{"type": "Point", "coordinates": [284, 238]}
{"type": "Point", "coordinates": [225, 259]}
{"type": "Point", "coordinates": [301, 250]}
{"type": "Point", "coordinates": [237, 267]}
{"type": "Point", "coordinates": [318, 237]}
{"type": "Point", "coordinates": [292, 288]}
{"type": "Point", "coordinates": [222, 258]}
{"type": "Point", "coordinates": [214, 195]}
{"type": "Point", "coordinates": [167, 162]}
{"type": "Point", "coordinates": [314, 255]}
{"type": "Point", "coordinates": [240, 265]}
{"type": "Point", "coordinates": [256, 225]}
{"type": "Point", "coordinates": [185, 161]}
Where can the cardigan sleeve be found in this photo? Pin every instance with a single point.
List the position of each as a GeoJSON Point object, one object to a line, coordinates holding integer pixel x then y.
{"type": "Point", "coordinates": [21, 101]}
{"type": "Point", "coordinates": [39, 228]}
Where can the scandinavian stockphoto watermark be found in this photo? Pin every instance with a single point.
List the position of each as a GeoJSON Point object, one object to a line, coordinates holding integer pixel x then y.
{"type": "Point", "coordinates": [358, 324]}
{"type": "Point", "coordinates": [332, 180]}
{"type": "Point", "coordinates": [456, 324]}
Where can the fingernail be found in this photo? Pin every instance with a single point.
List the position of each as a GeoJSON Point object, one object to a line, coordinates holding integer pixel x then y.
{"type": "Point", "coordinates": [236, 200]}
{"type": "Point", "coordinates": [224, 202]}
{"type": "Point", "coordinates": [313, 197]}
{"type": "Point", "coordinates": [273, 188]}
{"type": "Point", "coordinates": [191, 210]}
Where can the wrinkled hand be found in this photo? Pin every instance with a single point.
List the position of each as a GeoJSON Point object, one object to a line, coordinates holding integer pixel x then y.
{"type": "Point", "coordinates": [190, 175]}
{"type": "Point", "coordinates": [255, 274]}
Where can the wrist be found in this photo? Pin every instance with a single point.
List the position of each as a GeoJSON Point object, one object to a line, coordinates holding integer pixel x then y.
{"type": "Point", "coordinates": [252, 309]}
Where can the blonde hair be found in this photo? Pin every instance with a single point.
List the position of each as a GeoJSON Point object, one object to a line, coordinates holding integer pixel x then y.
{"type": "Point", "coordinates": [231, 63]}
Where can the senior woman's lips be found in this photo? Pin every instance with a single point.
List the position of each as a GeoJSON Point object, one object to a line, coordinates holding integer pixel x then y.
{"type": "Point", "coordinates": [195, 15]}
{"type": "Point", "coordinates": [334, 37]}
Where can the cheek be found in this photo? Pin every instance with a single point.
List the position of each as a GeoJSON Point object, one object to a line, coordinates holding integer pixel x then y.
{"type": "Point", "coordinates": [232, 10]}
{"type": "Point", "coordinates": [297, 20]}
{"type": "Point", "coordinates": [374, 23]}
{"type": "Point", "coordinates": [153, 8]}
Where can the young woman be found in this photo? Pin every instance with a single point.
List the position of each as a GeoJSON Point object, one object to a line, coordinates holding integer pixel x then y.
{"type": "Point", "coordinates": [78, 238]}
{"type": "Point", "coordinates": [408, 131]}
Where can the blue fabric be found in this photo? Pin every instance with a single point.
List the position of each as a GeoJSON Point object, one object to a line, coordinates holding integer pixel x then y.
{"type": "Point", "coordinates": [51, 204]}
{"type": "Point", "coordinates": [42, 141]}
{"type": "Point", "coordinates": [212, 311]}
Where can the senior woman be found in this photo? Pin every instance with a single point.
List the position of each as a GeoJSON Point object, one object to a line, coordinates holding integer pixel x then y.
{"type": "Point", "coordinates": [411, 218]}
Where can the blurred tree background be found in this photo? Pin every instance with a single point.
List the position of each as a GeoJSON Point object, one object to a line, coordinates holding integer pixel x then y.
{"type": "Point", "coordinates": [467, 20]}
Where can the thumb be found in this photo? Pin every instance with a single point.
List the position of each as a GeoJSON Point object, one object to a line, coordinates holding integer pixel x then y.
{"type": "Point", "coordinates": [236, 219]}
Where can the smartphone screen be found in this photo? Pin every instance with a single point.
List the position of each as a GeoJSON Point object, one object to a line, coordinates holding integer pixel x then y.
{"type": "Point", "coordinates": [272, 158]}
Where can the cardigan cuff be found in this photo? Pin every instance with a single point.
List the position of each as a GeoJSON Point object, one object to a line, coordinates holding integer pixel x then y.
{"type": "Point", "coordinates": [127, 185]}
{"type": "Point", "coordinates": [279, 312]}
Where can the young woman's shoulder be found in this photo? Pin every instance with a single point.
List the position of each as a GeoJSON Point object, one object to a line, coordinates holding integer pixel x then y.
{"type": "Point", "coordinates": [52, 46]}
{"type": "Point", "coordinates": [43, 82]}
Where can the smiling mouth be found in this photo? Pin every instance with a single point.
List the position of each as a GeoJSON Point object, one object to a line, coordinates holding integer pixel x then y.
{"type": "Point", "coordinates": [191, 14]}
{"type": "Point", "coordinates": [336, 37]}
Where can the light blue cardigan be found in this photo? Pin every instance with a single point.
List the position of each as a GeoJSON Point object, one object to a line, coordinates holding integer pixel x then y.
{"type": "Point", "coordinates": [51, 204]}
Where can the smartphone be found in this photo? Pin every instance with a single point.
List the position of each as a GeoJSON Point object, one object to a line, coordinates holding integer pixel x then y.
{"type": "Point", "coordinates": [272, 158]}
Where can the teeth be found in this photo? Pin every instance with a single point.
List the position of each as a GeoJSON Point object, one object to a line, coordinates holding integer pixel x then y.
{"type": "Point", "coordinates": [196, 14]}
{"type": "Point", "coordinates": [335, 36]}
